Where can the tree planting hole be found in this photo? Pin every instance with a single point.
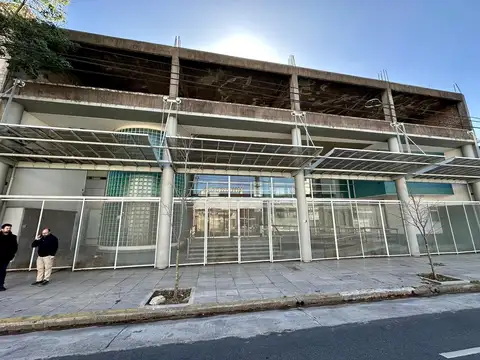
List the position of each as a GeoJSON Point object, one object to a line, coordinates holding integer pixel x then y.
{"type": "Point", "coordinates": [441, 278]}
{"type": "Point", "coordinates": [183, 295]}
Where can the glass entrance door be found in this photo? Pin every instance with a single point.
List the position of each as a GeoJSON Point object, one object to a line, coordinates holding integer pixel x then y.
{"type": "Point", "coordinates": [222, 234]}
{"type": "Point", "coordinates": [253, 224]}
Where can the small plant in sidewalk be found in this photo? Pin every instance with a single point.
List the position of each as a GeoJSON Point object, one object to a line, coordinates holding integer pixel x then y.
{"type": "Point", "coordinates": [418, 214]}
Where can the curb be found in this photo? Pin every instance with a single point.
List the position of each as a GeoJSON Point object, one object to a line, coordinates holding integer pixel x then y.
{"type": "Point", "coordinates": [10, 326]}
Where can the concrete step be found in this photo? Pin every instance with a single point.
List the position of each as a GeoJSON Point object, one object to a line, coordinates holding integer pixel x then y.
{"type": "Point", "coordinates": [233, 249]}
{"type": "Point", "coordinates": [242, 243]}
{"type": "Point", "coordinates": [231, 257]}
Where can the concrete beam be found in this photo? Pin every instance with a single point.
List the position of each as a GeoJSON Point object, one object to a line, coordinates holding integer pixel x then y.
{"type": "Point", "coordinates": [203, 56]}
{"type": "Point", "coordinates": [120, 44]}
{"type": "Point", "coordinates": [417, 90]}
{"type": "Point", "coordinates": [104, 103]}
{"type": "Point", "coordinates": [294, 93]}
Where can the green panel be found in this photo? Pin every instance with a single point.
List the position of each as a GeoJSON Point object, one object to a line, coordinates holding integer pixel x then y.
{"type": "Point", "coordinates": [365, 188]}
{"type": "Point", "coordinates": [421, 188]}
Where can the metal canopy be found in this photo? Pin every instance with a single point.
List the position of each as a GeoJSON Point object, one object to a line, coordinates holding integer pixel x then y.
{"type": "Point", "coordinates": [456, 168]}
{"type": "Point", "coordinates": [370, 163]}
{"type": "Point", "coordinates": [52, 145]}
{"type": "Point", "coordinates": [239, 155]}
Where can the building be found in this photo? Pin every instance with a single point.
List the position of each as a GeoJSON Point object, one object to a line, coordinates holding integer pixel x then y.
{"type": "Point", "coordinates": [141, 149]}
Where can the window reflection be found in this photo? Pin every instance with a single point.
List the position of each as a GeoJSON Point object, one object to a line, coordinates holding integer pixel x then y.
{"type": "Point", "coordinates": [267, 187]}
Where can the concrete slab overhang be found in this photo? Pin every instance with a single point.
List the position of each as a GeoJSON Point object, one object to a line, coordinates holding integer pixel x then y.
{"type": "Point", "coordinates": [104, 103]}
{"type": "Point", "coordinates": [226, 60]}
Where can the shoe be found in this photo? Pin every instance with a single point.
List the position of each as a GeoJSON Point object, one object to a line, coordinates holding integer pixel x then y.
{"type": "Point", "coordinates": [2, 288]}
{"type": "Point", "coordinates": [37, 282]}
{"type": "Point", "coordinates": [45, 282]}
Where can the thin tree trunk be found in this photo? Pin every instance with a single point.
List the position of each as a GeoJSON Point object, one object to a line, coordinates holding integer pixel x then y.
{"type": "Point", "coordinates": [179, 237]}
{"type": "Point", "coordinates": [20, 7]}
{"type": "Point", "coordinates": [434, 274]}
{"type": "Point", "coordinates": [177, 255]}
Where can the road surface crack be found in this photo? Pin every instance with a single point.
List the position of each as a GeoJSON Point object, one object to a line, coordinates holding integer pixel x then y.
{"type": "Point", "coordinates": [115, 337]}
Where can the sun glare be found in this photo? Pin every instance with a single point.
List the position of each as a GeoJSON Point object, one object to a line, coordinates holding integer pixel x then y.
{"type": "Point", "coordinates": [246, 46]}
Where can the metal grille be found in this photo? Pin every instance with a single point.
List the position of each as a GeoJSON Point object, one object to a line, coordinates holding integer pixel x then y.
{"type": "Point", "coordinates": [231, 155]}
{"type": "Point", "coordinates": [78, 146]}
{"type": "Point", "coordinates": [369, 162]}
{"type": "Point", "coordinates": [457, 168]}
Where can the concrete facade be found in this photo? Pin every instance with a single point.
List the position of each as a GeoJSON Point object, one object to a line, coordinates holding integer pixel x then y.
{"type": "Point", "coordinates": [217, 96]}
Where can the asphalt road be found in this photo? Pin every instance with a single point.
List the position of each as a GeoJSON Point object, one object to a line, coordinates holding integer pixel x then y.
{"type": "Point", "coordinates": [420, 337]}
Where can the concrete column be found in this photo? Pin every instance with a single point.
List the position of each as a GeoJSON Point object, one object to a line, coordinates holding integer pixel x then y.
{"type": "Point", "coordinates": [394, 145]}
{"type": "Point", "coordinates": [13, 115]}
{"type": "Point", "coordinates": [300, 194]}
{"type": "Point", "coordinates": [168, 180]}
{"type": "Point", "coordinates": [388, 107]}
{"type": "Point", "coordinates": [402, 194]}
{"type": "Point", "coordinates": [469, 151]}
{"type": "Point", "coordinates": [3, 73]}
{"type": "Point", "coordinates": [302, 206]}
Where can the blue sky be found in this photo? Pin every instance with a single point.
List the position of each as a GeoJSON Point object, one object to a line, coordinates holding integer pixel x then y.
{"type": "Point", "coordinates": [432, 43]}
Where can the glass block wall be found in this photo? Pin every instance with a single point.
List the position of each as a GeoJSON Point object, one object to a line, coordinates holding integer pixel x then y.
{"type": "Point", "coordinates": [139, 220]}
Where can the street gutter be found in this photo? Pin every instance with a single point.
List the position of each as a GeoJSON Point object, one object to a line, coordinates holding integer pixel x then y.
{"type": "Point", "coordinates": [10, 326]}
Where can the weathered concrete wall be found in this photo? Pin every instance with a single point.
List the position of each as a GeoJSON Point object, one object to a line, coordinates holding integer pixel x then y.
{"type": "Point", "coordinates": [449, 117]}
{"type": "Point", "coordinates": [438, 131]}
{"type": "Point", "coordinates": [3, 73]}
{"type": "Point", "coordinates": [237, 110]}
{"type": "Point", "coordinates": [426, 91]}
{"type": "Point", "coordinates": [91, 95]}
{"type": "Point", "coordinates": [118, 43]}
{"type": "Point", "coordinates": [71, 94]}
{"type": "Point", "coordinates": [196, 55]}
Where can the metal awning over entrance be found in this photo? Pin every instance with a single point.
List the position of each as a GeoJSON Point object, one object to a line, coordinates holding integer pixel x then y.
{"type": "Point", "coordinates": [68, 148]}
{"type": "Point", "coordinates": [230, 155]}
{"type": "Point", "coordinates": [52, 147]}
{"type": "Point", "coordinates": [370, 163]}
{"type": "Point", "coordinates": [453, 169]}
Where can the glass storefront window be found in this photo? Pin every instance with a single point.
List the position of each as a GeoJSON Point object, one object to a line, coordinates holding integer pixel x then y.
{"type": "Point", "coordinates": [265, 187]}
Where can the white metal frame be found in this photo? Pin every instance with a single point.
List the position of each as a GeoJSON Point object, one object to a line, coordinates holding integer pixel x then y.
{"type": "Point", "coordinates": [236, 205]}
{"type": "Point", "coordinates": [40, 216]}
{"type": "Point", "coordinates": [67, 158]}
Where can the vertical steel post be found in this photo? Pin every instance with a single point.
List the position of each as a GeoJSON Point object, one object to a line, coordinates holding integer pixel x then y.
{"type": "Point", "coordinates": [334, 229]}
{"type": "Point", "coordinates": [451, 228]}
{"type": "Point", "coordinates": [205, 234]}
{"type": "Point", "coordinates": [383, 228]}
{"type": "Point", "coordinates": [469, 228]}
{"type": "Point", "coordinates": [239, 239]}
{"type": "Point", "coordinates": [270, 229]}
{"type": "Point", "coordinates": [80, 223]}
{"type": "Point", "coordinates": [119, 232]}
{"type": "Point", "coordinates": [158, 235]}
{"type": "Point", "coordinates": [36, 233]}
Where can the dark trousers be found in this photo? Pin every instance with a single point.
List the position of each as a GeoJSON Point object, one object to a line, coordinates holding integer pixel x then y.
{"type": "Point", "coordinates": [3, 273]}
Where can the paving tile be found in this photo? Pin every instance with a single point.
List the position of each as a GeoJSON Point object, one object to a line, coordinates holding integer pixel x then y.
{"type": "Point", "coordinates": [204, 299]}
{"type": "Point", "coordinates": [106, 289]}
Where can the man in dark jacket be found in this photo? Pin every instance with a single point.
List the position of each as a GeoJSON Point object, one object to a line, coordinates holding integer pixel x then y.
{"type": "Point", "coordinates": [8, 249]}
{"type": "Point", "coordinates": [47, 246]}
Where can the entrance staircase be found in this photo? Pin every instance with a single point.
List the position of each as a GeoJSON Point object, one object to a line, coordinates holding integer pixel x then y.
{"type": "Point", "coordinates": [226, 250]}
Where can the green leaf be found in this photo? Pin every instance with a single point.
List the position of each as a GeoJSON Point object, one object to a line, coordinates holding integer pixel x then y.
{"type": "Point", "coordinates": [31, 41]}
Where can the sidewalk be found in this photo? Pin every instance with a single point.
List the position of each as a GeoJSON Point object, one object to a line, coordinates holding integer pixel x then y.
{"type": "Point", "coordinates": [84, 291]}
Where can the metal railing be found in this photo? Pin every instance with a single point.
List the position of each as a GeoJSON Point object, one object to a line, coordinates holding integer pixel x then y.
{"type": "Point", "coordinates": [106, 232]}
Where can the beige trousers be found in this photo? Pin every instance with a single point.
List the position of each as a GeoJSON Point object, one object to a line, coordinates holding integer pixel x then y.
{"type": "Point", "coordinates": [44, 267]}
